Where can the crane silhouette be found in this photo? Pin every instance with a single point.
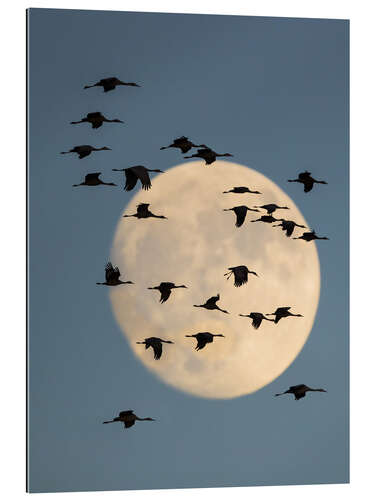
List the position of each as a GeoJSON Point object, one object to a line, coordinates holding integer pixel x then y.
{"type": "Point", "coordinates": [307, 181]}
{"type": "Point", "coordinates": [165, 289]}
{"type": "Point", "coordinates": [288, 226]}
{"type": "Point", "coordinates": [144, 213]}
{"type": "Point", "coordinates": [299, 391]}
{"type": "Point", "coordinates": [112, 276]}
{"type": "Point", "coordinates": [96, 119]}
{"type": "Point", "coordinates": [93, 180]}
{"type": "Point", "coordinates": [240, 212]}
{"type": "Point", "coordinates": [133, 174]}
{"type": "Point", "coordinates": [204, 338]}
{"type": "Point", "coordinates": [85, 150]}
{"type": "Point", "coordinates": [182, 143]}
{"type": "Point", "coordinates": [310, 236]}
{"type": "Point", "coordinates": [271, 208]}
{"type": "Point", "coordinates": [283, 312]}
{"type": "Point", "coordinates": [110, 84]}
{"type": "Point", "coordinates": [240, 274]}
{"type": "Point", "coordinates": [157, 345]}
{"type": "Point", "coordinates": [210, 304]}
{"type": "Point", "coordinates": [241, 190]}
{"type": "Point", "coordinates": [257, 318]}
{"type": "Point", "coordinates": [207, 154]}
{"type": "Point", "coordinates": [128, 418]}
{"type": "Point", "coordinates": [266, 218]}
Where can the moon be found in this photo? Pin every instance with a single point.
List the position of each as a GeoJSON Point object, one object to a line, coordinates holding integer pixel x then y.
{"type": "Point", "coordinates": [194, 246]}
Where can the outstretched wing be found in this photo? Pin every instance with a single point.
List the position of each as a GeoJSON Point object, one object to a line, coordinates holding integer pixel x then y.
{"type": "Point", "coordinates": [240, 275]}
{"type": "Point", "coordinates": [257, 320]}
{"type": "Point", "coordinates": [212, 300]}
{"type": "Point", "coordinates": [289, 228]}
{"type": "Point", "coordinates": [308, 185]}
{"type": "Point", "coordinates": [201, 342]}
{"type": "Point", "coordinates": [111, 273]}
{"type": "Point", "coordinates": [142, 208]}
{"type": "Point", "coordinates": [240, 215]}
{"type": "Point", "coordinates": [141, 173]}
{"type": "Point", "coordinates": [130, 179]}
{"type": "Point", "coordinates": [158, 349]}
{"type": "Point", "coordinates": [165, 293]}
{"type": "Point", "coordinates": [92, 177]}
{"type": "Point", "coordinates": [129, 423]}
{"type": "Point", "coordinates": [125, 412]}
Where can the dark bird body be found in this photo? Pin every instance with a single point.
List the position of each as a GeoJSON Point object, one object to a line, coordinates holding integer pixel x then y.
{"type": "Point", "coordinates": [257, 318]}
{"type": "Point", "coordinates": [210, 304]}
{"type": "Point", "coordinates": [93, 180]}
{"type": "Point", "coordinates": [165, 289]}
{"type": "Point", "coordinates": [110, 84]}
{"type": "Point", "coordinates": [208, 155]}
{"type": "Point", "coordinates": [307, 181]}
{"type": "Point", "coordinates": [204, 338]}
{"type": "Point", "coordinates": [271, 208]}
{"type": "Point", "coordinates": [133, 174]}
{"type": "Point", "coordinates": [183, 144]}
{"type": "Point", "coordinates": [96, 119]}
{"type": "Point", "coordinates": [240, 274]}
{"type": "Point", "coordinates": [240, 212]}
{"type": "Point", "coordinates": [128, 418]}
{"type": "Point", "coordinates": [85, 150]}
{"type": "Point", "coordinates": [310, 236]}
{"type": "Point", "coordinates": [283, 312]}
{"type": "Point", "coordinates": [144, 213]}
{"type": "Point", "coordinates": [266, 218]}
{"type": "Point", "coordinates": [241, 190]}
{"type": "Point", "coordinates": [299, 391]}
{"type": "Point", "coordinates": [112, 276]}
{"type": "Point", "coordinates": [157, 345]}
{"type": "Point", "coordinates": [288, 226]}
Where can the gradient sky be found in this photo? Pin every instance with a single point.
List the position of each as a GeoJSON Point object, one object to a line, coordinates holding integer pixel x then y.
{"type": "Point", "coordinates": [274, 92]}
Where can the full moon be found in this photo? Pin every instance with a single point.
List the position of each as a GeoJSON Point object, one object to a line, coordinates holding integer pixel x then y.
{"type": "Point", "coordinates": [194, 246]}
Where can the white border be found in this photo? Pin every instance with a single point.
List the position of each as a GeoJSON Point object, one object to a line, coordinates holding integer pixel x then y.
{"type": "Point", "coordinates": [12, 248]}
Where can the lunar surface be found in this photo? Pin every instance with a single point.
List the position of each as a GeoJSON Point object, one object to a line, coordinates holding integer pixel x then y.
{"type": "Point", "coordinates": [195, 246]}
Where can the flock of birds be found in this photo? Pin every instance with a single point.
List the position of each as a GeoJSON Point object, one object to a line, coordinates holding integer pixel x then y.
{"type": "Point", "coordinates": [240, 273]}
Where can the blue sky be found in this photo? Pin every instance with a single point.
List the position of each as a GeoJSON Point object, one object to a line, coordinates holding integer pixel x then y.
{"type": "Point", "coordinates": [275, 93]}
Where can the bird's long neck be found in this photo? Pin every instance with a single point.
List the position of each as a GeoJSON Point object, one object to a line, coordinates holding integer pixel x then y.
{"type": "Point", "coordinates": [158, 216]}
{"type": "Point", "coordinates": [80, 121]}
{"type": "Point", "coordinates": [222, 310]}
{"type": "Point", "coordinates": [179, 286]}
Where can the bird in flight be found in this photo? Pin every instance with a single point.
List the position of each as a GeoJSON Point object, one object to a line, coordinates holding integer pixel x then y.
{"type": "Point", "coordinates": [204, 338]}
{"type": "Point", "coordinates": [156, 344]}
{"type": "Point", "coordinates": [207, 154]}
{"type": "Point", "coordinates": [257, 318]}
{"type": "Point", "coordinates": [96, 119]}
{"type": "Point", "coordinates": [93, 180]}
{"type": "Point", "coordinates": [128, 417]}
{"type": "Point", "coordinates": [165, 289]}
{"type": "Point", "coordinates": [210, 304]}
{"type": "Point", "coordinates": [299, 391]}
{"type": "Point", "coordinates": [241, 190]}
{"type": "Point", "coordinates": [266, 218]}
{"type": "Point", "coordinates": [144, 213]}
{"type": "Point", "coordinates": [310, 236]}
{"type": "Point", "coordinates": [112, 276]}
{"type": "Point", "coordinates": [240, 212]}
{"type": "Point", "coordinates": [183, 143]}
{"type": "Point", "coordinates": [288, 226]}
{"type": "Point", "coordinates": [271, 208]}
{"type": "Point", "coordinates": [133, 174]}
{"type": "Point", "coordinates": [240, 274]}
{"type": "Point", "coordinates": [283, 312]}
{"type": "Point", "coordinates": [110, 84]}
{"type": "Point", "coordinates": [85, 150]}
{"type": "Point", "coordinates": [307, 181]}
